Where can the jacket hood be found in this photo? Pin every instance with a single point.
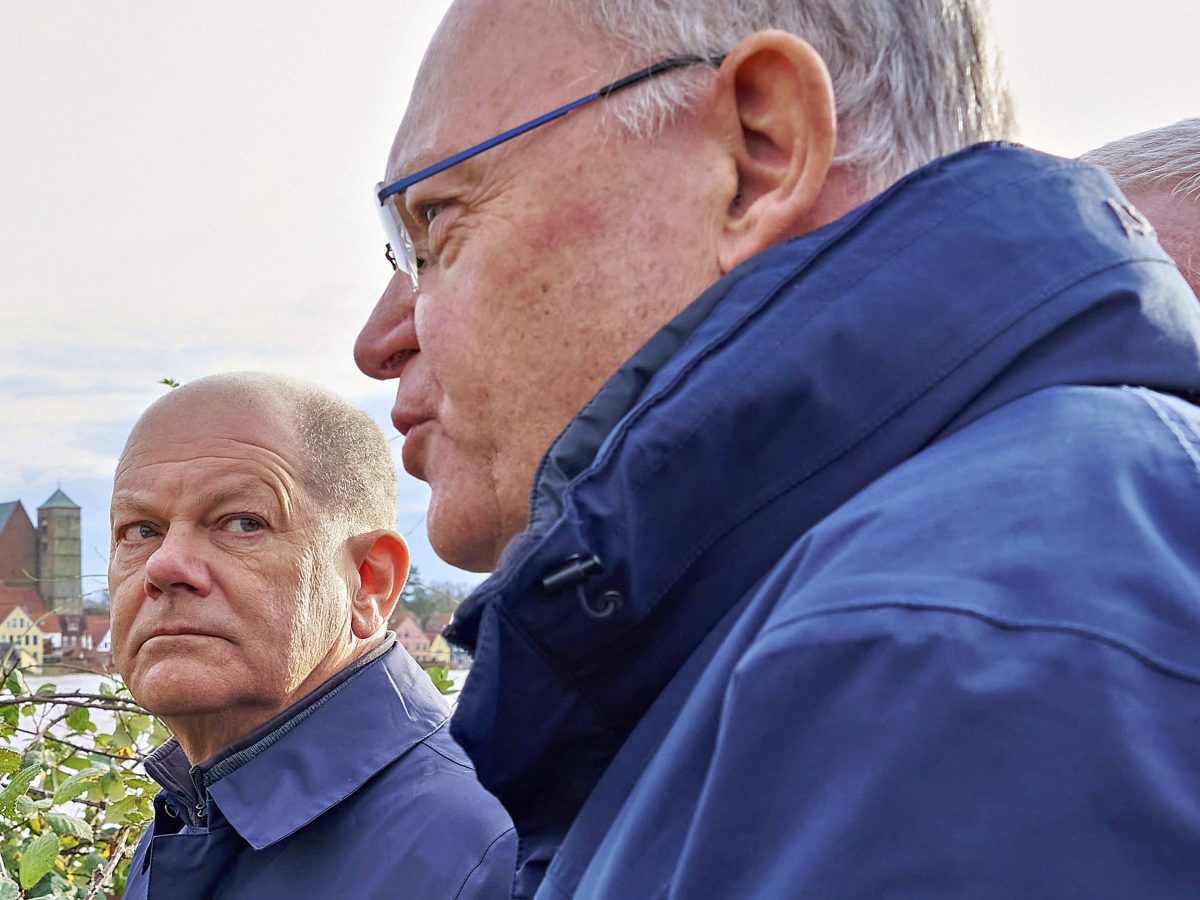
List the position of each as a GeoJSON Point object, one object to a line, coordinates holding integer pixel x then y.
{"type": "Point", "coordinates": [786, 388]}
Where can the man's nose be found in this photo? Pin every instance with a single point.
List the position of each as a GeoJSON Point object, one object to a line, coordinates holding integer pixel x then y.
{"type": "Point", "coordinates": [178, 567]}
{"type": "Point", "coordinates": [389, 338]}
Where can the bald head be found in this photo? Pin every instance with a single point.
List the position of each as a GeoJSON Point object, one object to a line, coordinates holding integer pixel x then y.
{"type": "Point", "coordinates": [1159, 170]}
{"type": "Point", "coordinates": [252, 554]}
{"type": "Point", "coordinates": [339, 453]}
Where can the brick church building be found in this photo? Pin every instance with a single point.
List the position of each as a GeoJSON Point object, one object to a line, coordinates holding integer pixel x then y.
{"type": "Point", "coordinates": [41, 600]}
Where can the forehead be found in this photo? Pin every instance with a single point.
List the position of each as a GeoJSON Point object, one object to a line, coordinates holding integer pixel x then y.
{"type": "Point", "coordinates": [191, 447]}
{"type": "Point", "coordinates": [478, 76]}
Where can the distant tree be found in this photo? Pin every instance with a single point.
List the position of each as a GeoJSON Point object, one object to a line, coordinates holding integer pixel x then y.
{"type": "Point", "coordinates": [424, 600]}
{"type": "Point", "coordinates": [96, 603]}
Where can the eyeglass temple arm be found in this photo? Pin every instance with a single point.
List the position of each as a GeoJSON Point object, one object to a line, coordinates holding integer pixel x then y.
{"type": "Point", "coordinates": [675, 62]}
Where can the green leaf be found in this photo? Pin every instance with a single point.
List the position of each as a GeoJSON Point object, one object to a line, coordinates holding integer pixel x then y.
{"type": "Point", "coordinates": [76, 784]}
{"type": "Point", "coordinates": [160, 734]}
{"type": "Point", "coordinates": [16, 682]}
{"type": "Point", "coordinates": [10, 761]}
{"type": "Point", "coordinates": [38, 859]}
{"type": "Point", "coordinates": [17, 787]}
{"type": "Point", "coordinates": [79, 719]}
{"type": "Point", "coordinates": [69, 825]}
{"type": "Point", "coordinates": [10, 714]}
{"type": "Point", "coordinates": [441, 680]}
{"type": "Point", "coordinates": [121, 738]}
{"type": "Point", "coordinates": [136, 783]}
{"type": "Point", "coordinates": [24, 806]}
{"type": "Point", "coordinates": [9, 890]}
{"type": "Point", "coordinates": [48, 688]}
{"type": "Point", "coordinates": [119, 812]}
{"type": "Point", "coordinates": [114, 789]}
{"type": "Point", "coordinates": [34, 758]}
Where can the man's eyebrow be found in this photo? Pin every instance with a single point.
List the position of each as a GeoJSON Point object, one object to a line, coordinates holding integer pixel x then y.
{"type": "Point", "coordinates": [243, 490]}
{"type": "Point", "coordinates": [126, 503]}
{"type": "Point", "coordinates": [423, 159]}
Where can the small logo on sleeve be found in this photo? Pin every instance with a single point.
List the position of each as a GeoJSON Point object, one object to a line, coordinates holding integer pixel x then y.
{"type": "Point", "coordinates": [1131, 219]}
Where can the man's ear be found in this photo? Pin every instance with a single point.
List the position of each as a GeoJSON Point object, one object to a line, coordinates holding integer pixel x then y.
{"type": "Point", "coordinates": [777, 105]}
{"type": "Point", "coordinates": [381, 560]}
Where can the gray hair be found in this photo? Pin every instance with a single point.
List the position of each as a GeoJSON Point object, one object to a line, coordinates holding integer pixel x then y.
{"type": "Point", "coordinates": [346, 464]}
{"type": "Point", "coordinates": [913, 80]}
{"type": "Point", "coordinates": [1169, 156]}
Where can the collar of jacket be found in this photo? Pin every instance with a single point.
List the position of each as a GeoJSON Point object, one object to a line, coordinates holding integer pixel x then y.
{"type": "Point", "coordinates": [787, 387]}
{"type": "Point", "coordinates": [315, 754]}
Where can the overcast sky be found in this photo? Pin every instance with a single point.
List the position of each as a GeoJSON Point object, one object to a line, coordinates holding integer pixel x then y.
{"type": "Point", "coordinates": [185, 191]}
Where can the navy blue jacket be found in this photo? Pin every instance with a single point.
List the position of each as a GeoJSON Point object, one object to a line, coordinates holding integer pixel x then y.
{"type": "Point", "coordinates": [874, 574]}
{"type": "Point", "coordinates": [356, 792]}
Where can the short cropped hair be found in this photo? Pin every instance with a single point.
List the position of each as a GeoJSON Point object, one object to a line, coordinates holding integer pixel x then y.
{"type": "Point", "coordinates": [913, 80]}
{"type": "Point", "coordinates": [1168, 156]}
{"type": "Point", "coordinates": [346, 463]}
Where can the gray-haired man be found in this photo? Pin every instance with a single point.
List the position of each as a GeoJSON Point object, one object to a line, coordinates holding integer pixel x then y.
{"type": "Point", "coordinates": [1159, 170]}
{"type": "Point", "coordinates": [839, 479]}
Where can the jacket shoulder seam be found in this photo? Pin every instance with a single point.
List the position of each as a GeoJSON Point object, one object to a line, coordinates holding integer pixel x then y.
{"type": "Point", "coordinates": [1160, 409]}
{"type": "Point", "coordinates": [445, 756]}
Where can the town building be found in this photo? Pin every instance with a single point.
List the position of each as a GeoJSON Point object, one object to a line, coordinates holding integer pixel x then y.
{"type": "Point", "coordinates": [41, 597]}
{"type": "Point", "coordinates": [410, 634]}
{"type": "Point", "coordinates": [439, 649]}
{"type": "Point", "coordinates": [22, 640]}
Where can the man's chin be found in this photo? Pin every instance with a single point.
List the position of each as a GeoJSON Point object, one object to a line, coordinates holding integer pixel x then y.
{"type": "Point", "coordinates": [180, 687]}
{"type": "Point", "coordinates": [464, 538]}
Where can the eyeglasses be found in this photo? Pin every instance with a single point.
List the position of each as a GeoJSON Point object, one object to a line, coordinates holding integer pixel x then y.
{"type": "Point", "coordinates": [400, 252]}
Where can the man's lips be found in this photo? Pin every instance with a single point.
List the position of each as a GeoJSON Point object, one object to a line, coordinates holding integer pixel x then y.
{"type": "Point", "coordinates": [178, 631]}
{"type": "Point", "coordinates": [411, 453]}
{"type": "Point", "coordinates": [406, 420]}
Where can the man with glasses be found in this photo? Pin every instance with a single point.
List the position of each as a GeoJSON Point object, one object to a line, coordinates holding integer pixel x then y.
{"type": "Point", "coordinates": [838, 477]}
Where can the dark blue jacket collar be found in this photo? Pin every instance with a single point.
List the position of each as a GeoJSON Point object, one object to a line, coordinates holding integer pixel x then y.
{"type": "Point", "coordinates": [790, 385]}
{"type": "Point", "coordinates": [315, 754]}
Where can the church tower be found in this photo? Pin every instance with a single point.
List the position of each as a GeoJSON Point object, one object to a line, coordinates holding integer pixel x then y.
{"type": "Point", "coordinates": [59, 560]}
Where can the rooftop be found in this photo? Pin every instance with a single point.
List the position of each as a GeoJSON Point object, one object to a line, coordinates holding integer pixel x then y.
{"type": "Point", "coordinates": [25, 598]}
{"type": "Point", "coordinates": [6, 510]}
{"type": "Point", "coordinates": [59, 500]}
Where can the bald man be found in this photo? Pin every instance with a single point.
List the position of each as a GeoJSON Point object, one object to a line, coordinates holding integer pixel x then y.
{"type": "Point", "coordinates": [252, 572]}
{"type": "Point", "coordinates": [1159, 170]}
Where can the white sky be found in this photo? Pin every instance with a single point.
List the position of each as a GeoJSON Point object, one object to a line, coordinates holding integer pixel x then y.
{"type": "Point", "coordinates": [185, 191]}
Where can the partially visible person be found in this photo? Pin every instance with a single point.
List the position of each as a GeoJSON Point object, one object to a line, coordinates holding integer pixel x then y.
{"type": "Point", "coordinates": [1159, 171]}
{"type": "Point", "coordinates": [252, 572]}
{"type": "Point", "coordinates": [839, 478]}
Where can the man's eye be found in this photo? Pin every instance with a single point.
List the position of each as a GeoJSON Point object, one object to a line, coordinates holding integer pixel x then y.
{"type": "Point", "coordinates": [139, 531]}
{"type": "Point", "coordinates": [428, 212]}
{"type": "Point", "coordinates": [243, 525]}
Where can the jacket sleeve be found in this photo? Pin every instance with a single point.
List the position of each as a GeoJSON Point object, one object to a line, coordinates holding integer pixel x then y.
{"type": "Point", "coordinates": [920, 751]}
{"type": "Point", "coordinates": [492, 878]}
